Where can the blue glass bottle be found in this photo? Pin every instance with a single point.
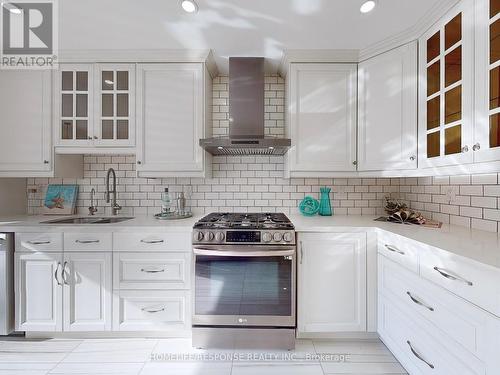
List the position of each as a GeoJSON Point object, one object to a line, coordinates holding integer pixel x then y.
{"type": "Point", "coordinates": [325, 208]}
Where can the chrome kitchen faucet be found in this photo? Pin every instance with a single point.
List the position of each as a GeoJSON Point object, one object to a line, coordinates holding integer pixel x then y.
{"type": "Point", "coordinates": [115, 207]}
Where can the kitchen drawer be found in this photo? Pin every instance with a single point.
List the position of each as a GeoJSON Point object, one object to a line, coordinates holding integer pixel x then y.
{"type": "Point", "coordinates": [151, 270]}
{"type": "Point", "coordinates": [408, 337]}
{"type": "Point", "coordinates": [457, 319]}
{"type": "Point", "coordinates": [172, 241]}
{"type": "Point", "coordinates": [142, 310]}
{"type": "Point", "coordinates": [399, 249]}
{"type": "Point", "coordinates": [473, 281]}
{"type": "Point", "coordinates": [88, 241]}
{"type": "Point", "coordinates": [32, 242]}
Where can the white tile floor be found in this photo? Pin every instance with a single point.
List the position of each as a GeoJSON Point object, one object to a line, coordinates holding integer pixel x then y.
{"type": "Point", "coordinates": [176, 356]}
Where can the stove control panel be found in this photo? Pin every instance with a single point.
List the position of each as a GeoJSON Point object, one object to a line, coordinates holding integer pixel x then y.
{"type": "Point", "coordinates": [270, 237]}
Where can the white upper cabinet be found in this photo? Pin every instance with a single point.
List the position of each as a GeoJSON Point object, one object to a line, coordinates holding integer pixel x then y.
{"type": "Point", "coordinates": [321, 119]}
{"type": "Point", "coordinates": [446, 96]}
{"type": "Point", "coordinates": [332, 293]}
{"type": "Point", "coordinates": [487, 122]}
{"type": "Point", "coordinates": [95, 107]}
{"type": "Point", "coordinates": [26, 115]}
{"type": "Point", "coordinates": [171, 119]}
{"type": "Point", "coordinates": [387, 110]}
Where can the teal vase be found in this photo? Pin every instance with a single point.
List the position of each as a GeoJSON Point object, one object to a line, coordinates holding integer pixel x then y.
{"type": "Point", "coordinates": [325, 208]}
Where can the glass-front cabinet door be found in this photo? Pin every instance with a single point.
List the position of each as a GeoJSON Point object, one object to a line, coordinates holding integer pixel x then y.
{"type": "Point", "coordinates": [115, 105]}
{"type": "Point", "coordinates": [446, 90]}
{"type": "Point", "coordinates": [487, 122]}
{"type": "Point", "coordinates": [74, 105]}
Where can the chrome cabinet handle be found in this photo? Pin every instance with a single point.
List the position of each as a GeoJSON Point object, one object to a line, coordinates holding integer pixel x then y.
{"type": "Point", "coordinates": [447, 274]}
{"type": "Point", "coordinates": [301, 252]}
{"type": "Point", "coordinates": [476, 147]}
{"type": "Point", "coordinates": [465, 149]}
{"type": "Point", "coordinates": [55, 274]}
{"type": "Point", "coordinates": [145, 309]}
{"type": "Point", "coordinates": [64, 273]}
{"type": "Point", "coordinates": [418, 302]}
{"type": "Point", "coordinates": [152, 271]}
{"type": "Point", "coordinates": [394, 249]}
{"type": "Point", "coordinates": [87, 241]}
{"type": "Point", "coordinates": [152, 241]}
{"type": "Point", "coordinates": [413, 157]}
{"type": "Point", "coordinates": [419, 356]}
{"type": "Point", "coordinates": [38, 242]}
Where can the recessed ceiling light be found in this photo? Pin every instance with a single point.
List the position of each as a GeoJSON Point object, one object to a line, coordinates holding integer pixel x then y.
{"type": "Point", "coordinates": [189, 6]}
{"type": "Point", "coordinates": [368, 6]}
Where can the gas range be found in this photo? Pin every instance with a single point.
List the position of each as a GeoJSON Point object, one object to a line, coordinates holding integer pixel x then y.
{"type": "Point", "coordinates": [244, 228]}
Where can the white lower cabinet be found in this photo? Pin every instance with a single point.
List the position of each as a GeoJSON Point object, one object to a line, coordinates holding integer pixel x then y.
{"type": "Point", "coordinates": [141, 310]}
{"type": "Point", "coordinates": [63, 292]}
{"type": "Point", "coordinates": [38, 292]}
{"type": "Point", "coordinates": [429, 329]}
{"type": "Point", "coordinates": [87, 291]}
{"type": "Point", "coordinates": [332, 282]}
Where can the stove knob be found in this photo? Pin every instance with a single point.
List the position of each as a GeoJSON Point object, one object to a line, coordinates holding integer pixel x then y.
{"type": "Point", "coordinates": [287, 237]}
{"type": "Point", "coordinates": [198, 236]}
{"type": "Point", "coordinates": [267, 237]}
{"type": "Point", "coordinates": [210, 236]}
{"type": "Point", "coordinates": [219, 236]}
{"type": "Point", "coordinates": [277, 237]}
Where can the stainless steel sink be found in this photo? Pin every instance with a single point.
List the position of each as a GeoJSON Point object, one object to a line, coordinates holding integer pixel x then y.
{"type": "Point", "coordinates": [88, 220]}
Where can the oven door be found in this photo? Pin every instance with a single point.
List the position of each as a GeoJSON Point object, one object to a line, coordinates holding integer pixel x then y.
{"type": "Point", "coordinates": [244, 286]}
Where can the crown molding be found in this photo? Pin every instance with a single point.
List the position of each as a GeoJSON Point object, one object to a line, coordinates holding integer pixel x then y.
{"type": "Point", "coordinates": [135, 56]}
{"type": "Point", "coordinates": [211, 65]}
{"type": "Point", "coordinates": [316, 56]}
{"type": "Point", "coordinates": [413, 33]}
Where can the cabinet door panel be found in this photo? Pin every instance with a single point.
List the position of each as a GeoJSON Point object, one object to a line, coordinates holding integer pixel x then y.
{"type": "Point", "coordinates": [446, 95]}
{"type": "Point", "coordinates": [322, 117]}
{"type": "Point", "coordinates": [25, 107]}
{"type": "Point", "coordinates": [87, 291]}
{"type": "Point", "coordinates": [38, 286]}
{"type": "Point", "coordinates": [170, 115]}
{"type": "Point", "coordinates": [388, 110]}
{"type": "Point", "coordinates": [332, 282]}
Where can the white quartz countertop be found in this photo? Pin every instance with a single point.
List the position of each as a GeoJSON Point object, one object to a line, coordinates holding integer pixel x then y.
{"type": "Point", "coordinates": [147, 223]}
{"type": "Point", "coordinates": [480, 246]}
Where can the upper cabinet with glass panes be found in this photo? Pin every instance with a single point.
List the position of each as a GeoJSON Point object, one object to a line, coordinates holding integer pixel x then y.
{"type": "Point", "coordinates": [96, 105]}
{"type": "Point", "coordinates": [445, 126]}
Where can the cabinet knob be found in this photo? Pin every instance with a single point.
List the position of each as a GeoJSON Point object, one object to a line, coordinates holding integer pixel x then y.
{"type": "Point", "coordinates": [139, 162]}
{"type": "Point", "coordinates": [476, 147]}
{"type": "Point", "coordinates": [465, 149]}
{"type": "Point", "coordinates": [95, 137]}
{"type": "Point", "coordinates": [354, 162]}
{"type": "Point", "coordinates": [413, 157]}
{"type": "Point", "coordinates": [45, 162]}
{"type": "Point", "coordinates": [89, 138]}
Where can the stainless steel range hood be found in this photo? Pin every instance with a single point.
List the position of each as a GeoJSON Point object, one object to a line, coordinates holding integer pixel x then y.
{"type": "Point", "coordinates": [246, 114]}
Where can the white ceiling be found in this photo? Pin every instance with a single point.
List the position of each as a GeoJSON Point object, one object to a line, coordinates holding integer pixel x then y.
{"type": "Point", "coordinates": [234, 27]}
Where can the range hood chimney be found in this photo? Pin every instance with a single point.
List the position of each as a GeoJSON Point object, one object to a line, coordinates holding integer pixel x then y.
{"type": "Point", "coordinates": [246, 114]}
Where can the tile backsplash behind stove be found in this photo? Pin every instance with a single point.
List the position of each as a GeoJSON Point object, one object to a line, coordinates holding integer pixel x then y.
{"type": "Point", "coordinates": [248, 183]}
{"type": "Point", "coordinates": [256, 183]}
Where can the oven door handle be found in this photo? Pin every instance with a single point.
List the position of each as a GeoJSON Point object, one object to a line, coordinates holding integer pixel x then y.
{"type": "Point", "coordinates": [223, 253]}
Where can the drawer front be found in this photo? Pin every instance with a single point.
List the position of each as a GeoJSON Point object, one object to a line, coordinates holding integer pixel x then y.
{"type": "Point", "coordinates": [475, 282]}
{"type": "Point", "coordinates": [151, 311]}
{"type": "Point", "coordinates": [409, 339]}
{"type": "Point", "coordinates": [152, 271]}
{"type": "Point", "coordinates": [173, 241]}
{"type": "Point", "coordinates": [32, 242]}
{"type": "Point", "coordinates": [399, 250]}
{"type": "Point", "coordinates": [459, 320]}
{"type": "Point", "coordinates": [88, 242]}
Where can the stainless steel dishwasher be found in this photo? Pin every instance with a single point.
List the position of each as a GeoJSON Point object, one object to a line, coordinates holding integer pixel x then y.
{"type": "Point", "coordinates": [6, 283]}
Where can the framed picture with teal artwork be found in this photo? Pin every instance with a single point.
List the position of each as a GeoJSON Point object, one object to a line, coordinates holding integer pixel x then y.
{"type": "Point", "coordinates": [60, 200]}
